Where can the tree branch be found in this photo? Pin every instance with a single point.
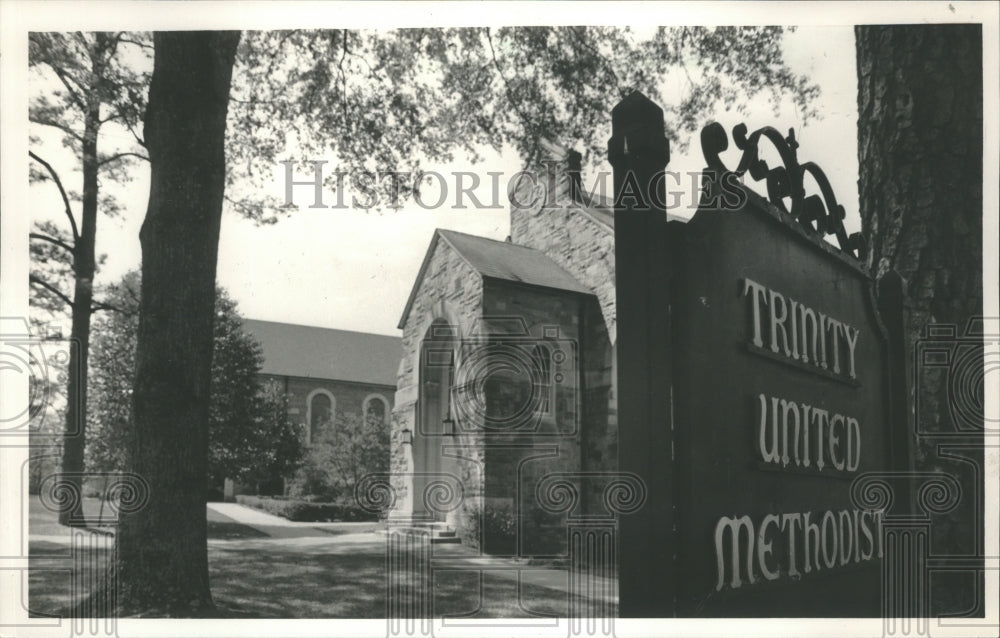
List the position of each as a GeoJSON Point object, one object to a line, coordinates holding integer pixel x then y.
{"type": "Point", "coordinates": [141, 142]}
{"type": "Point", "coordinates": [510, 95]}
{"type": "Point", "coordinates": [119, 114]}
{"type": "Point", "coordinates": [53, 240]}
{"type": "Point", "coordinates": [58, 125]}
{"type": "Point", "coordinates": [579, 35]}
{"type": "Point", "coordinates": [73, 93]}
{"type": "Point", "coordinates": [62, 191]}
{"type": "Point", "coordinates": [144, 45]}
{"type": "Point", "coordinates": [276, 53]}
{"type": "Point", "coordinates": [118, 156]}
{"type": "Point", "coordinates": [47, 286]}
{"type": "Point", "coordinates": [104, 305]}
{"type": "Point", "coordinates": [685, 34]}
{"type": "Point", "coordinates": [343, 76]}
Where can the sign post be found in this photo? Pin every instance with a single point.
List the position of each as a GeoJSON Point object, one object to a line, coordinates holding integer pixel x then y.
{"type": "Point", "coordinates": [639, 152]}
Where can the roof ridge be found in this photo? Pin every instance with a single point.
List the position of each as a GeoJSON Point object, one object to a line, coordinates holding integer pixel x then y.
{"type": "Point", "coordinates": [305, 325]}
{"type": "Point", "coordinates": [498, 241]}
{"type": "Point", "coordinates": [495, 241]}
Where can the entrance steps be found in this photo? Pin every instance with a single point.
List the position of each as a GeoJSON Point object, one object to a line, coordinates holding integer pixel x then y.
{"type": "Point", "coordinates": [438, 531]}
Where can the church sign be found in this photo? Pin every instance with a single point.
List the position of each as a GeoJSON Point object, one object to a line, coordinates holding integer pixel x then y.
{"type": "Point", "coordinates": [775, 382]}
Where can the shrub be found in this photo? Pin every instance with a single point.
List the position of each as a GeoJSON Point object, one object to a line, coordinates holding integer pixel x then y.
{"type": "Point", "coordinates": [307, 511]}
{"type": "Point", "coordinates": [341, 454]}
{"type": "Point", "coordinates": [495, 526]}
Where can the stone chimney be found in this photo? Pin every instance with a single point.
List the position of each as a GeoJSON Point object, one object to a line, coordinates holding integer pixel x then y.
{"type": "Point", "coordinates": [559, 170]}
{"type": "Point", "coordinates": [542, 197]}
{"type": "Point", "coordinates": [554, 182]}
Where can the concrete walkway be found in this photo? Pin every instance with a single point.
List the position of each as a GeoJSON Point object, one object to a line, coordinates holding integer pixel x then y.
{"type": "Point", "coordinates": [277, 527]}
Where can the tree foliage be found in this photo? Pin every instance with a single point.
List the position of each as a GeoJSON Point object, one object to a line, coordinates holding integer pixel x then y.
{"type": "Point", "coordinates": [394, 100]}
{"type": "Point", "coordinates": [250, 436]}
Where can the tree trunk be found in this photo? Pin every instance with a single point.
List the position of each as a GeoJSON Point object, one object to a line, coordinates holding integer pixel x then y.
{"type": "Point", "coordinates": [920, 151]}
{"type": "Point", "coordinates": [84, 267]}
{"type": "Point", "coordinates": [162, 561]}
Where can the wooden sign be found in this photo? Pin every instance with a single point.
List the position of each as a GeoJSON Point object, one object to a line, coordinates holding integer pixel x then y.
{"type": "Point", "coordinates": [780, 401]}
{"type": "Point", "coordinates": [778, 397]}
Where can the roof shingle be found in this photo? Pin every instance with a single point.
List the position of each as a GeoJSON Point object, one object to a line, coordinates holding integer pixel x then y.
{"type": "Point", "coordinates": [503, 260]}
{"type": "Point", "coordinates": [325, 353]}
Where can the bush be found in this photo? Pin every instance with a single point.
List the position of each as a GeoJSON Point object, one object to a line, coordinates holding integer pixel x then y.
{"type": "Point", "coordinates": [495, 526]}
{"type": "Point", "coordinates": [341, 454]}
{"type": "Point", "coordinates": [304, 511]}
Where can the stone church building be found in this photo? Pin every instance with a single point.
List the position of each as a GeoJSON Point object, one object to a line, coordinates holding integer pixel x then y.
{"type": "Point", "coordinates": [508, 368]}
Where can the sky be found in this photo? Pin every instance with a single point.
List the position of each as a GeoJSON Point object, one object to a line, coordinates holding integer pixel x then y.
{"type": "Point", "coordinates": [353, 269]}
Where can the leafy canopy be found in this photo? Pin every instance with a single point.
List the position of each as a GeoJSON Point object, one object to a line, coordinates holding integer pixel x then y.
{"type": "Point", "coordinates": [394, 100]}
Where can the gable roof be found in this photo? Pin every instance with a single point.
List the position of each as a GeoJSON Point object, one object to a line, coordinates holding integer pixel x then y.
{"type": "Point", "coordinates": [512, 262]}
{"type": "Point", "coordinates": [499, 260]}
{"type": "Point", "coordinates": [325, 353]}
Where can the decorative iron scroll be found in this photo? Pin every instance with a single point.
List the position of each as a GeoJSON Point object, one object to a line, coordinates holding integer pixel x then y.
{"type": "Point", "coordinates": [819, 215]}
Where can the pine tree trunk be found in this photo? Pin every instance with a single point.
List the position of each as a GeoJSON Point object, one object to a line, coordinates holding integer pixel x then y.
{"type": "Point", "coordinates": [162, 561]}
{"type": "Point", "coordinates": [920, 154]}
{"type": "Point", "coordinates": [84, 267]}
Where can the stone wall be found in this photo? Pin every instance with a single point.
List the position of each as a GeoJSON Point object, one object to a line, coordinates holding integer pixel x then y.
{"type": "Point", "coordinates": [554, 220]}
{"type": "Point", "coordinates": [599, 446]}
{"type": "Point", "coordinates": [451, 290]}
{"type": "Point", "coordinates": [545, 442]}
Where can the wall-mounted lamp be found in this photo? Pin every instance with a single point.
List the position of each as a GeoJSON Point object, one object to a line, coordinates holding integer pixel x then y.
{"type": "Point", "coordinates": [449, 423]}
{"type": "Point", "coordinates": [406, 436]}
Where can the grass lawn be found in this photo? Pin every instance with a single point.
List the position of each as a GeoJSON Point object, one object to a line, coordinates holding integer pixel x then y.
{"type": "Point", "coordinates": [314, 577]}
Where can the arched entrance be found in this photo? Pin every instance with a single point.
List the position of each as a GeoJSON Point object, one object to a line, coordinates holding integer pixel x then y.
{"type": "Point", "coordinates": [435, 425]}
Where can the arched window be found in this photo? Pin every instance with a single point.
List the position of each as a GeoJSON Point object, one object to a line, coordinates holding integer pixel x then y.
{"type": "Point", "coordinates": [541, 380]}
{"type": "Point", "coordinates": [375, 409]}
{"type": "Point", "coordinates": [320, 410]}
